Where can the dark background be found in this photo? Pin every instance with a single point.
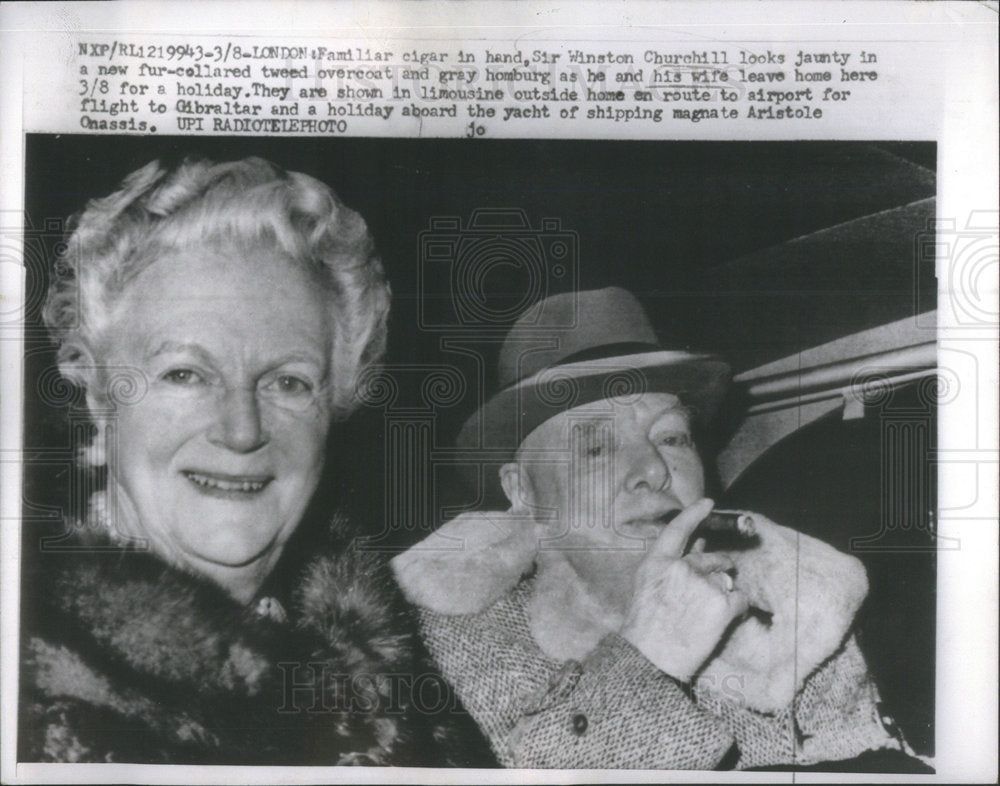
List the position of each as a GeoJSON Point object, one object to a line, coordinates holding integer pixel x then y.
{"type": "Point", "coordinates": [751, 250]}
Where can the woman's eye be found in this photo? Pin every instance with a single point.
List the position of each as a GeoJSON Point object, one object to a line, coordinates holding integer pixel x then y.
{"type": "Point", "coordinates": [289, 390]}
{"type": "Point", "coordinates": [676, 440]}
{"type": "Point", "coordinates": [182, 376]}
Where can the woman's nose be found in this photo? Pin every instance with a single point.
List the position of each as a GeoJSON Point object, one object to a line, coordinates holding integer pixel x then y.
{"type": "Point", "coordinates": [239, 427]}
{"type": "Point", "coordinates": [647, 470]}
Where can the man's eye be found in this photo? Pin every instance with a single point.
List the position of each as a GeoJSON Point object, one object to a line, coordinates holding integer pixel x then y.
{"type": "Point", "coordinates": [676, 440]}
{"type": "Point", "coordinates": [182, 377]}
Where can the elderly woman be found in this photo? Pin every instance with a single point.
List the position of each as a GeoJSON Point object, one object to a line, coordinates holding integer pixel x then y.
{"type": "Point", "coordinates": [218, 317]}
{"type": "Point", "coordinates": [598, 623]}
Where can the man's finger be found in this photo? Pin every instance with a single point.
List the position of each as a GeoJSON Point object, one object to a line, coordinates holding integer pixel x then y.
{"type": "Point", "coordinates": [674, 538]}
{"type": "Point", "coordinates": [710, 562]}
{"type": "Point", "coordinates": [721, 580]}
{"type": "Point", "coordinates": [738, 603]}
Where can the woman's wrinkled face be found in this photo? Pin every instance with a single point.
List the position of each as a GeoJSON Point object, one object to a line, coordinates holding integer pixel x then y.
{"type": "Point", "coordinates": [217, 458]}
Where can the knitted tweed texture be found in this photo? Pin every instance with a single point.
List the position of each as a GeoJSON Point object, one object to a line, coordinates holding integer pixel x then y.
{"type": "Point", "coordinates": [617, 710]}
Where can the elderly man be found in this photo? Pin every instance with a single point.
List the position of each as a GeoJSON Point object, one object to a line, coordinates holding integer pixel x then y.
{"type": "Point", "coordinates": [593, 624]}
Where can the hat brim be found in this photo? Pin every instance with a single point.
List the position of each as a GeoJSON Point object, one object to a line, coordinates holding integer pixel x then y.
{"type": "Point", "coordinates": [495, 431]}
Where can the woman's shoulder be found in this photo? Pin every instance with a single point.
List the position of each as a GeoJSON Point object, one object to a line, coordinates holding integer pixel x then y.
{"type": "Point", "coordinates": [116, 639]}
{"type": "Point", "coordinates": [74, 708]}
{"type": "Point", "coordinates": [116, 645]}
{"type": "Point", "coordinates": [123, 597]}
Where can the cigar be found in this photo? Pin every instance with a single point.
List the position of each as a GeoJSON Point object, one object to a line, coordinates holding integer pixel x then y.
{"type": "Point", "coordinates": [722, 521]}
{"type": "Point", "coordinates": [729, 521]}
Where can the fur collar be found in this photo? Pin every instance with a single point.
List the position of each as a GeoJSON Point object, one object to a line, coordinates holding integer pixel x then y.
{"type": "Point", "coordinates": [468, 564]}
{"type": "Point", "coordinates": [811, 590]}
{"type": "Point", "coordinates": [565, 618]}
{"type": "Point", "coordinates": [205, 678]}
{"type": "Point", "coordinates": [170, 624]}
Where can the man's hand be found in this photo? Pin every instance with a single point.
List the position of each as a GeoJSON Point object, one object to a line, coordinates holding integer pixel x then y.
{"type": "Point", "coordinates": [681, 605]}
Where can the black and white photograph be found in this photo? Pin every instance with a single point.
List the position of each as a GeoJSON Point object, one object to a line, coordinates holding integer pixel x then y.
{"type": "Point", "coordinates": [577, 434]}
{"type": "Point", "coordinates": [436, 453]}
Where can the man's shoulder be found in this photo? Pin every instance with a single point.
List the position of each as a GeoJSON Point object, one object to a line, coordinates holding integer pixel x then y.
{"type": "Point", "coordinates": [468, 564]}
{"type": "Point", "coordinates": [491, 643]}
{"type": "Point", "coordinates": [506, 617]}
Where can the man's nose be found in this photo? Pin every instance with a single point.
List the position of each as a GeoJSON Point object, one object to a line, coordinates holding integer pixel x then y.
{"type": "Point", "coordinates": [647, 470]}
{"type": "Point", "coordinates": [239, 426]}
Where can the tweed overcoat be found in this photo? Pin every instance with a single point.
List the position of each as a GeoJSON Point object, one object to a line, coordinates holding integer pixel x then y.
{"type": "Point", "coordinates": [496, 637]}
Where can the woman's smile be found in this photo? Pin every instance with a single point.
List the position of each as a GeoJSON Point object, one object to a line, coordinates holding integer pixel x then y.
{"type": "Point", "coordinates": [221, 456]}
{"type": "Point", "coordinates": [237, 487]}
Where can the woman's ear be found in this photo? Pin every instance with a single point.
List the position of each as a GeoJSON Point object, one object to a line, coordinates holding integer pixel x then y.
{"type": "Point", "coordinates": [77, 366]}
{"type": "Point", "coordinates": [517, 487]}
{"type": "Point", "coordinates": [95, 453]}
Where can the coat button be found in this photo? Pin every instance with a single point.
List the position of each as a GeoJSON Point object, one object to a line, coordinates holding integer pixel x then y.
{"type": "Point", "coordinates": [579, 723]}
{"type": "Point", "coordinates": [888, 722]}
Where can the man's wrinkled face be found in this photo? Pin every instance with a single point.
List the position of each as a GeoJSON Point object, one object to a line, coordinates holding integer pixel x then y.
{"type": "Point", "coordinates": [602, 476]}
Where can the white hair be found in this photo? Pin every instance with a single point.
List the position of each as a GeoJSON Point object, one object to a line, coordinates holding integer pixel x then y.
{"type": "Point", "coordinates": [251, 202]}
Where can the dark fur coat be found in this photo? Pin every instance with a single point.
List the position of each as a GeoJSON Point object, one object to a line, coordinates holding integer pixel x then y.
{"type": "Point", "coordinates": [125, 659]}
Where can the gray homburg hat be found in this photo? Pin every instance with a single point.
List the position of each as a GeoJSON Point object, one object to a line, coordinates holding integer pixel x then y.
{"type": "Point", "coordinates": [575, 348]}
